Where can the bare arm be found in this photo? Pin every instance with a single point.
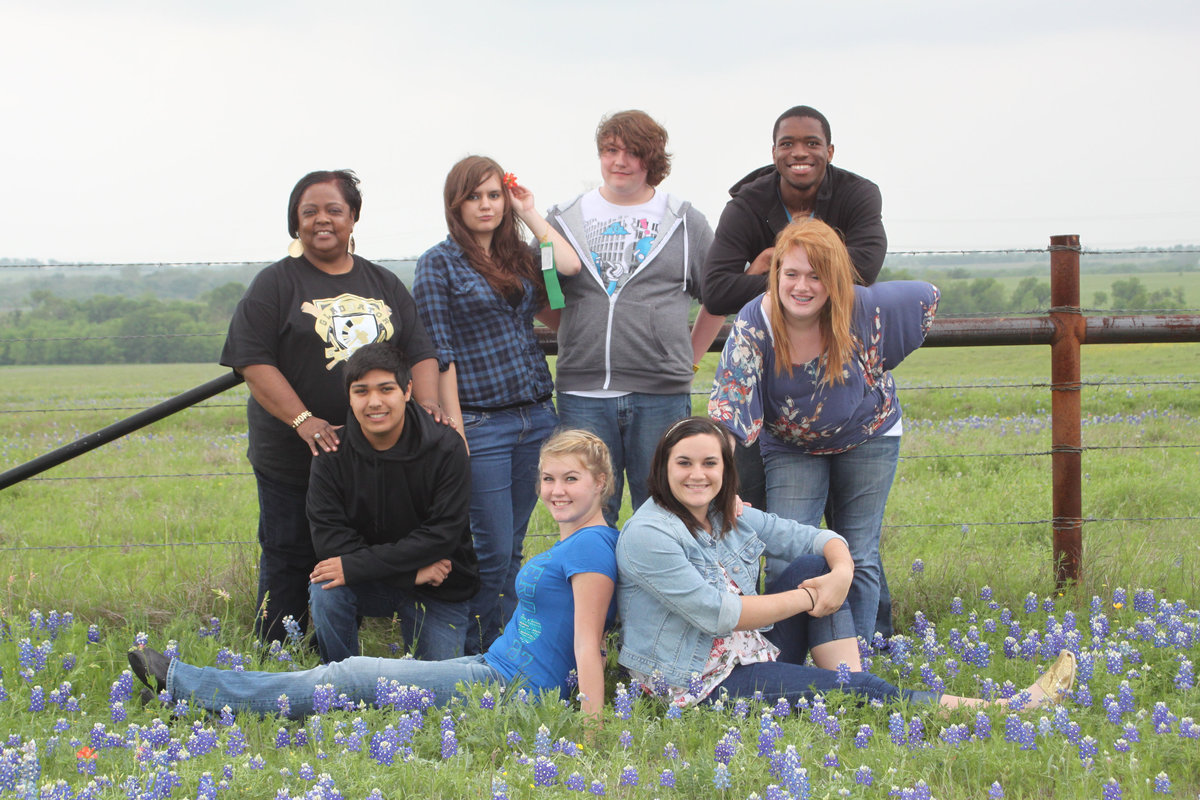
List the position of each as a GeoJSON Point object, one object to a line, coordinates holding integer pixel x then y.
{"type": "Point", "coordinates": [566, 260]}
{"type": "Point", "coordinates": [593, 593]}
{"type": "Point", "coordinates": [760, 610]}
{"type": "Point", "coordinates": [274, 393]}
{"type": "Point", "coordinates": [427, 390]}
{"type": "Point", "coordinates": [448, 396]}
{"type": "Point", "coordinates": [704, 331]}
{"type": "Point", "coordinates": [831, 588]}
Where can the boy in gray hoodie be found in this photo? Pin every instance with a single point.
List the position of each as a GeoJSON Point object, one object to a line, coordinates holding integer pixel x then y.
{"type": "Point", "coordinates": [625, 357]}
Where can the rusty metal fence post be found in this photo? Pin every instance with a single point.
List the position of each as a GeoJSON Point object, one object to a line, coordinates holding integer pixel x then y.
{"type": "Point", "coordinates": [1070, 331]}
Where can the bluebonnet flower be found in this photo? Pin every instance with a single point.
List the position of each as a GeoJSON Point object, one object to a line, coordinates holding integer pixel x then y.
{"type": "Point", "coordinates": [741, 708]}
{"type": "Point", "coordinates": [449, 744]}
{"type": "Point", "coordinates": [720, 777]}
{"type": "Point", "coordinates": [831, 760]}
{"type": "Point", "coordinates": [955, 734]}
{"type": "Point", "coordinates": [37, 699]}
{"type": "Point", "coordinates": [916, 731]}
{"type": "Point", "coordinates": [918, 566]}
{"type": "Point", "coordinates": [1162, 784]}
{"type": "Point", "coordinates": [995, 791]}
{"type": "Point", "coordinates": [863, 737]}
{"type": "Point", "coordinates": [1082, 694]}
{"type": "Point", "coordinates": [626, 739]}
{"type": "Point", "coordinates": [670, 751]}
{"type": "Point", "coordinates": [545, 772]}
{"type": "Point", "coordinates": [68, 662]}
{"type": "Point", "coordinates": [674, 712]}
{"type": "Point", "coordinates": [1119, 597]}
{"type": "Point", "coordinates": [843, 673]}
{"type": "Point", "coordinates": [863, 776]}
{"type": "Point", "coordinates": [782, 707]}
{"type": "Point", "coordinates": [1143, 601]}
{"type": "Point", "coordinates": [1047, 604]}
{"type": "Point", "coordinates": [488, 701]}
{"type": "Point", "coordinates": [574, 782]}
{"type": "Point", "coordinates": [622, 702]}
{"type": "Point", "coordinates": [896, 728]}
{"type": "Point", "coordinates": [597, 788]}
{"type": "Point", "coordinates": [1161, 718]}
{"type": "Point", "coordinates": [512, 738]}
{"type": "Point", "coordinates": [235, 743]}
{"type": "Point", "coordinates": [93, 634]}
{"type": "Point", "coordinates": [983, 726]}
{"type": "Point", "coordinates": [1031, 603]}
{"type": "Point", "coordinates": [282, 738]}
{"type": "Point", "coordinates": [956, 605]}
{"type": "Point", "coordinates": [667, 778]}
{"type": "Point", "coordinates": [323, 697]}
{"type": "Point", "coordinates": [1087, 748]}
{"type": "Point", "coordinates": [833, 728]}
{"type": "Point", "coordinates": [724, 751]}
{"type": "Point", "coordinates": [284, 705]}
{"type": "Point", "coordinates": [629, 775]}
{"type": "Point", "coordinates": [1121, 745]}
{"type": "Point", "coordinates": [1185, 678]}
{"type": "Point", "coordinates": [1112, 790]}
{"type": "Point", "coordinates": [1188, 729]}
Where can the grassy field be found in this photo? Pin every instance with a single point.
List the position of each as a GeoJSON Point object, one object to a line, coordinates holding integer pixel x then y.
{"type": "Point", "coordinates": [155, 533]}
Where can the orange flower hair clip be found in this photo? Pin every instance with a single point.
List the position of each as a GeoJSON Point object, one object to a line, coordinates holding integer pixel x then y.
{"type": "Point", "coordinates": [509, 180]}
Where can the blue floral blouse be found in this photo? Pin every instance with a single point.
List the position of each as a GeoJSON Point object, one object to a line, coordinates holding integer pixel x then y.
{"type": "Point", "coordinates": [800, 412]}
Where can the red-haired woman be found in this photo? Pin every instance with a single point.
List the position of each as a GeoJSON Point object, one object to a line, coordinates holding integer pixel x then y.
{"type": "Point", "coordinates": [806, 372]}
{"type": "Point", "coordinates": [477, 293]}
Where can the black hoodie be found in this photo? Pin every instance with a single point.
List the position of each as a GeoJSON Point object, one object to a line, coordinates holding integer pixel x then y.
{"type": "Point", "coordinates": [755, 215]}
{"type": "Point", "coordinates": [388, 513]}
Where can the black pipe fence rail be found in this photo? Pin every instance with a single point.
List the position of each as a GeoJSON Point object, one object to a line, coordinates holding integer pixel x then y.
{"type": "Point", "coordinates": [1065, 327]}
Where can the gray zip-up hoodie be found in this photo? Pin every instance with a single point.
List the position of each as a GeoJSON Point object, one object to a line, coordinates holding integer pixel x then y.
{"type": "Point", "coordinates": [638, 339]}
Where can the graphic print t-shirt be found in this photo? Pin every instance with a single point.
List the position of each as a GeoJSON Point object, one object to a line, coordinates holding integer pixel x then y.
{"type": "Point", "coordinates": [306, 323]}
{"type": "Point", "coordinates": [620, 237]}
{"type": "Point", "coordinates": [539, 641]}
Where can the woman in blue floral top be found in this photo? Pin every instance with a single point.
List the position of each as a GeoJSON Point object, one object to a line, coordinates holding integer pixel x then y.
{"type": "Point", "coordinates": [806, 368]}
{"type": "Point", "coordinates": [477, 293]}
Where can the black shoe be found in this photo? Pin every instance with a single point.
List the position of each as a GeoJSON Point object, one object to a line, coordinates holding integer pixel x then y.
{"type": "Point", "coordinates": [148, 663]}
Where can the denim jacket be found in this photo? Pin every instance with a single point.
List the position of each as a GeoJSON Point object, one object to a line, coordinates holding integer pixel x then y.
{"type": "Point", "coordinates": [670, 591]}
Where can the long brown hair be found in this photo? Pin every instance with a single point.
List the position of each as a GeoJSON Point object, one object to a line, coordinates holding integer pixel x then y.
{"type": "Point", "coordinates": [831, 262]}
{"type": "Point", "coordinates": [660, 486]}
{"type": "Point", "coordinates": [510, 259]}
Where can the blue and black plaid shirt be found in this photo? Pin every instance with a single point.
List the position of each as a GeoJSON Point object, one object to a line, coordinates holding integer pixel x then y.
{"type": "Point", "coordinates": [498, 360]}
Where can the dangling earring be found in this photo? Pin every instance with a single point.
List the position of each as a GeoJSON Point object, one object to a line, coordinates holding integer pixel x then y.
{"type": "Point", "coordinates": [295, 248]}
{"type": "Point", "coordinates": [350, 249]}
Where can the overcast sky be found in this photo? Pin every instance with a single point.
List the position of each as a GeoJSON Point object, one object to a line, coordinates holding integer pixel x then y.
{"type": "Point", "coordinates": [174, 131]}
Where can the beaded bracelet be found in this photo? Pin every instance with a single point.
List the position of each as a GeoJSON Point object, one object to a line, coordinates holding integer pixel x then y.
{"type": "Point", "coordinates": [303, 415]}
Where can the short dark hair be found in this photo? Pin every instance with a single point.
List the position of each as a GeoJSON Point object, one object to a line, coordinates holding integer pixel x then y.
{"type": "Point", "coordinates": [803, 111]}
{"type": "Point", "coordinates": [377, 355]}
{"type": "Point", "coordinates": [660, 487]}
{"type": "Point", "coordinates": [347, 183]}
{"type": "Point", "coordinates": [643, 137]}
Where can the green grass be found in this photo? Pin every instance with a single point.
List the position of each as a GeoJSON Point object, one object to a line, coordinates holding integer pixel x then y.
{"type": "Point", "coordinates": [153, 554]}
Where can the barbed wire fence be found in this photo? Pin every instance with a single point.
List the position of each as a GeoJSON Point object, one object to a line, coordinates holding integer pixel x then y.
{"type": "Point", "coordinates": [964, 526]}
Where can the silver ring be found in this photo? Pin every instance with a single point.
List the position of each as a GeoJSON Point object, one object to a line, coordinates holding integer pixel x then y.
{"type": "Point", "coordinates": [316, 436]}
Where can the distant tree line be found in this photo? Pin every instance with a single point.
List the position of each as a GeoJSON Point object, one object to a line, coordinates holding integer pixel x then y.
{"type": "Point", "coordinates": [109, 329]}
{"type": "Point", "coordinates": [118, 329]}
{"type": "Point", "coordinates": [962, 294]}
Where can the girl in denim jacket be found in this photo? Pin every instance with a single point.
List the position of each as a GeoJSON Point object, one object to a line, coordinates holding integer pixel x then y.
{"type": "Point", "coordinates": [695, 627]}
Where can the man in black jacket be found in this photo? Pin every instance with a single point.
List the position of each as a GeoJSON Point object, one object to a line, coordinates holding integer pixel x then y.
{"type": "Point", "coordinates": [388, 510]}
{"type": "Point", "coordinates": [801, 183]}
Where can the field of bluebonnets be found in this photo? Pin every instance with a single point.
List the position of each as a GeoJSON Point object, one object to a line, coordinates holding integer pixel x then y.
{"type": "Point", "coordinates": [116, 549]}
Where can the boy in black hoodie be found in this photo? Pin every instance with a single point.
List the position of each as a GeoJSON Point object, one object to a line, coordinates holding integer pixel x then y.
{"type": "Point", "coordinates": [389, 516]}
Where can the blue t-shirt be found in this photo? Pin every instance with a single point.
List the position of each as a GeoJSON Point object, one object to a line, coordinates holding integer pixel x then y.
{"type": "Point", "coordinates": [538, 643]}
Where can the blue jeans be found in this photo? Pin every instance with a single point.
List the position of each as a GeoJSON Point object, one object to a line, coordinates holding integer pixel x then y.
{"type": "Point", "coordinates": [856, 485]}
{"type": "Point", "coordinates": [432, 629]}
{"type": "Point", "coordinates": [286, 559]}
{"type": "Point", "coordinates": [504, 491]}
{"type": "Point", "coordinates": [789, 677]}
{"type": "Point", "coordinates": [631, 426]}
{"type": "Point", "coordinates": [258, 692]}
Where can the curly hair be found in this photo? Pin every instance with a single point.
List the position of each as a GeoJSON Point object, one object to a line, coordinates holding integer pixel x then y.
{"type": "Point", "coordinates": [643, 137]}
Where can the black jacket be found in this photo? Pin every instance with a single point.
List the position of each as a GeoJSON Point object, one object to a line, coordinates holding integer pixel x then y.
{"type": "Point", "coordinates": [755, 215]}
{"type": "Point", "coordinates": [388, 513]}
